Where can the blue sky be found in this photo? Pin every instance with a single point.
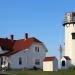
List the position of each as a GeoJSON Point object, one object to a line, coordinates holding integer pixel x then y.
{"type": "Point", "coordinates": [42, 19]}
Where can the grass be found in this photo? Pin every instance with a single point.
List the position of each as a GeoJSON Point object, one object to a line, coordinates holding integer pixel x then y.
{"type": "Point", "coordinates": [70, 71]}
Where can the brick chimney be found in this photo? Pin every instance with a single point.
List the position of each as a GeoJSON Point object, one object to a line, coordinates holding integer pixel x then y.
{"type": "Point", "coordinates": [12, 37]}
{"type": "Point", "coordinates": [26, 35]}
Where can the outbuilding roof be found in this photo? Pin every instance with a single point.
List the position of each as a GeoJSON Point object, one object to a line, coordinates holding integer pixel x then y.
{"type": "Point", "coordinates": [67, 57]}
{"type": "Point", "coordinates": [49, 58]}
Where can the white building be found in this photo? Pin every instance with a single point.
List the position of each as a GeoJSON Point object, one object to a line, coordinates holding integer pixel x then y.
{"type": "Point", "coordinates": [65, 62]}
{"type": "Point", "coordinates": [19, 54]}
{"type": "Point", "coordinates": [69, 25]}
{"type": "Point", "coordinates": [50, 64]}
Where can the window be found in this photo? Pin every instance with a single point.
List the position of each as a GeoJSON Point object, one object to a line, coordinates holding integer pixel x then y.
{"type": "Point", "coordinates": [1, 60]}
{"type": "Point", "coordinates": [37, 49]}
{"type": "Point", "coordinates": [4, 62]}
{"type": "Point", "coordinates": [63, 63]}
{"type": "Point", "coordinates": [37, 62]}
{"type": "Point", "coordinates": [73, 35]}
{"type": "Point", "coordinates": [73, 19]}
{"type": "Point", "coordinates": [20, 61]}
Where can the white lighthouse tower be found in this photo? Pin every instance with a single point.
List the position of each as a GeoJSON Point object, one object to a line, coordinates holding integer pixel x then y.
{"type": "Point", "coordinates": [69, 25]}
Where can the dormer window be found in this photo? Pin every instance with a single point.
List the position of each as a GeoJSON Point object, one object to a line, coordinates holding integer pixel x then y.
{"type": "Point", "coordinates": [36, 49]}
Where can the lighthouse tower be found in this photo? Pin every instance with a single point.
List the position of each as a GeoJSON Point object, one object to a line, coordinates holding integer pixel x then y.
{"type": "Point", "coordinates": [69, 26]}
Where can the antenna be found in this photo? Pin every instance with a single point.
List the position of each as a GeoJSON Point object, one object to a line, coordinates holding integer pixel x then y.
{"type": "Point", "coordinates": [60, 50]}
{"type": "Point", "coordinates": [60, 54]}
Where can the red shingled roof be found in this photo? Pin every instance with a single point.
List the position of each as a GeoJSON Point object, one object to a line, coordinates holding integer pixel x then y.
{"type": "Point", "coordinates": [49, 58]}
{"type": "Point", "coordinates": [6, 44]}
{"type": "Point", "coordinates": [13, 46]}
{"type": "Point", "coordinates": [67, 57]}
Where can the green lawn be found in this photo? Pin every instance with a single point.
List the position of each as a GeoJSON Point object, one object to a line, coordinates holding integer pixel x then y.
{"type": "Point", "coordinates": [39, 72]}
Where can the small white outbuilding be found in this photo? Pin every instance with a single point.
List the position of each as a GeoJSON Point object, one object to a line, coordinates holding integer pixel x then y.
{"type": "Point", "coordinates": [50, 64]}
{"type": "Point", "coordinates": [65, 62]}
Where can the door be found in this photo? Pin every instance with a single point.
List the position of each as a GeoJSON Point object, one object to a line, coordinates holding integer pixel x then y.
{"type": "Point", "coordinates": [63, 63]}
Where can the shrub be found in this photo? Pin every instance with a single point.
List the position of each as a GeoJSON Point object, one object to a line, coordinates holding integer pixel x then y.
{"type": "Point", "coordinates": [35, 68]}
